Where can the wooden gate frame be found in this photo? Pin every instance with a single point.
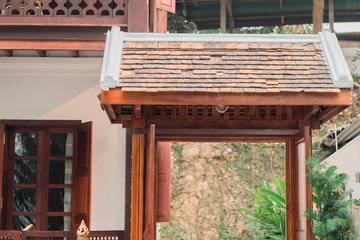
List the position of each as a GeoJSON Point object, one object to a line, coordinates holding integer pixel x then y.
{"type": "Point", "coordinates": [297, 226]}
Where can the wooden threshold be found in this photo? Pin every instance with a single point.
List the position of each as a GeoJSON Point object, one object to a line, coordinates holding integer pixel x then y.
{"type": "Point", "coordinates": [116, 96]}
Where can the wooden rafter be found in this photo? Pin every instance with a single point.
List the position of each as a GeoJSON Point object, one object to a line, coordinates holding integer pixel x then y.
{"type": "Point", "coordinates": [116, 96]}
{"type": "Point", "coordinates": [8, 53]}
{"type": "Point", "coordinates": [75, 53]}
{"type": "Point", "coordinates": [41, 53]}
{"type": "Point", "coordinates": [330, 112]}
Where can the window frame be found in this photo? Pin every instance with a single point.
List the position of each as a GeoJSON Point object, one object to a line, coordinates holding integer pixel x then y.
{"type": "Point", "coordinates": [74, 126]}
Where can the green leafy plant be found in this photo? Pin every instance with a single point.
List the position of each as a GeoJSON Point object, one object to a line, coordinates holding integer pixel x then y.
{"type": "Point", "coordinates": [356, 202]}
{"type": "Point", "coordinates": [331, 216]}
{"type": "Point", "coordinates": [268, 218]}
{"type": "Point", "coordinates": [174, 231]}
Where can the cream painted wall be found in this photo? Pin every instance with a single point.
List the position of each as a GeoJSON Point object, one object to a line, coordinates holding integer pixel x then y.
{"type": "Point", "coordinates": [67, 89]}
{"type": "Point", "coordinates": [347, 160]}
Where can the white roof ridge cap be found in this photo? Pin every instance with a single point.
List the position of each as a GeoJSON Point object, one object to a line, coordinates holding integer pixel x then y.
{"type": "Point", "coordinates": [246, 38]}
{"type": "Point", "coordinates": [110, 70]}
{"type": "Point", "coordinates": [334, 58]}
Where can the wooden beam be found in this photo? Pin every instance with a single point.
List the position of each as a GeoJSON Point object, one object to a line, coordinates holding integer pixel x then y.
{"type": "Point", "coordinates": [75, 53]}
{"type": "Point", "coordinates": [223, 16]}
{"type": "Point", "coordinates": [93, 45]}
{"type": "Point", "coordinates": [224, 132]}
{"type": "Point", "coordinates": [318, 15]}
{"type": "Point", "coordinates": [41, 53]}
{"type": "Point", "coordinates": [116, 96]}
{"type": "Point", "coordinates": [8, 53]}
{"type": "Point", "coordinates": [221, 123]}
{"type": "Point", "coordinates": [330, 112]}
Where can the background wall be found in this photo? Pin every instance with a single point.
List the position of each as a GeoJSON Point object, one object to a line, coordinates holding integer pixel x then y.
{"type": "Point", "coordinates": [347, 161]}
{"type": "Point", "coordinates": [67, 89]}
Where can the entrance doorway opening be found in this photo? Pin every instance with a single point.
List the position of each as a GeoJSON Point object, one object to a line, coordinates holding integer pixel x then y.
{"type": "Point", "coordinates": [209, 182]}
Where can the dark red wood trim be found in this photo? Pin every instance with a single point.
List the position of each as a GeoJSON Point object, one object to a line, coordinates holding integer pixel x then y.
{"type": "Point", "coordinates": [40, 123]}
{"type": "Point", "coordinates": [83, 45]}
{"type": "Point", "coordinates": [128, 167]}
{"type": "Point", "coordinates": [116, 96]}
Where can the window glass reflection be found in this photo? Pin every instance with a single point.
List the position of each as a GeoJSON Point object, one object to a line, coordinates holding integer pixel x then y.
{"type": "Point", "coordinates": [24, 200]}
{"type": "Point", "coordinates": [25, 171]}
{"type": "Point", "coordinates": [61, 144]}
{"type": "Point", "coordinates": [26, 144]}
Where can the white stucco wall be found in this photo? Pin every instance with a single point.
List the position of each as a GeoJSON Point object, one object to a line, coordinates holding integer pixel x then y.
{"type": "Point", "coordinates": [347, 160]}
{"type": "Point", "coordinates": [350, 53]}
{"type": "Point", "coordinates": [67, 89]}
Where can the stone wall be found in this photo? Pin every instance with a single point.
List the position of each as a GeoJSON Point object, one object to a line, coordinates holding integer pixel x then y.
{"type": "Point", "coordinates": [209, 181]}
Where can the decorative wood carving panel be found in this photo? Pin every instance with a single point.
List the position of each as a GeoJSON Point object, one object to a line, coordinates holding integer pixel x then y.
{"type": "Point", "coordinates": [50, 11]}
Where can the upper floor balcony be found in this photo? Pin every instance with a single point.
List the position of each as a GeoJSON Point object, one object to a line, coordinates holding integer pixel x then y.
{"type": "Point", "coordinates": [85, 13]}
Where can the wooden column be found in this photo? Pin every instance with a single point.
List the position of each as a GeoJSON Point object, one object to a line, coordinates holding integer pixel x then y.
{"type": "Point", "coordinates": [128, 159]}
{"type": "Point", "coordinates": [331, 15]}
{"type": "Point", "coordinates": [300, 187]}
{"type": "Point", "coordinates": [318, 15]}
{"type": "Point", "coordinates": [138, 16]}
{"type": "Point", "coordinates": [137, 186]}
{"type": "Point", "coordinates": [223, 16]}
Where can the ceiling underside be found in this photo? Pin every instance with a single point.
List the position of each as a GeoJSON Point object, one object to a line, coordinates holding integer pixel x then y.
{"type": "Point", "coordinates": [206, 13]}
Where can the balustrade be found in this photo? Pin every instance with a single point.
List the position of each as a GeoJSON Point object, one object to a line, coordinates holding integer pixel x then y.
{"type": "Point", "coordinates": [63, 12]}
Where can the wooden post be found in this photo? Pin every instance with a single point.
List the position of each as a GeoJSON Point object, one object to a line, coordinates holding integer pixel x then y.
{"type": "Point", "coordinates": [139, 15]}
{"type": "Point", "coordinates": [82, 232]}
{"type": "Point", "coordinates": [223, 16]}
{"type": "Point", "coordinates": [331, 15]}
{"type": "Point", "coordinates": [318, 15]}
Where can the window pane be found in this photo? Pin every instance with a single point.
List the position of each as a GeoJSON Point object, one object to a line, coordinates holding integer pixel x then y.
{"type": "Point", "coordinates": [24, 200]}
{"type": "Point", "coordinates": [26, 144]}
{"type": "Point", "coordinates": [59, 200]}
{"type": "Point", "coordinates": [25, 171]}
{"type": "Point", "coordinates": [61, 144]}
{"type": "Point", "coordinates": [60, 172]}
{"type": "Point", "coordinates": [59, 223]}
{"type": "Point", "coordinates": [20, 222]}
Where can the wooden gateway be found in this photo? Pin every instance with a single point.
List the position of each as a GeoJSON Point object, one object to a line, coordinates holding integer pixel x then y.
{"type": "Point", "coordinates": [218, 87]}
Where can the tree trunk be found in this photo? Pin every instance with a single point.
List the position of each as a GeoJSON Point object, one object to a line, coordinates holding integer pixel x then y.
{"type": "Point", "coordinates": [318, 15]}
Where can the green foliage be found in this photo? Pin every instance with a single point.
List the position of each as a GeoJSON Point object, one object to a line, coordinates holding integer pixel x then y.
{"type": "Point", "coordinates": [174, 231]}
{"type": "Point", "coordinates": [178, 24]}
{"type": "Point", "coordinates": [268, 218]}
{"type": "Point", "coordinates": [332, 218]}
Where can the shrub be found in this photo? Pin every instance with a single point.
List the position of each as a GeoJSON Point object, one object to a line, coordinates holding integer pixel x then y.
{"type": "Point", "coordinates": [268, 218]}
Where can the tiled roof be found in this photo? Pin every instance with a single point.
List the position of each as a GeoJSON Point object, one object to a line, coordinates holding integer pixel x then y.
{"type": "Point", "coordinates": [143, 62]}
{"type": "Point", "coordinates": [224, 67]}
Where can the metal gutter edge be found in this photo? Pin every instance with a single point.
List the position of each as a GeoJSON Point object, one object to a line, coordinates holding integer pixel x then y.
{"type": "Point", "coordinates": [339, 70]}
{"type": "Point", "coordinates": [110, 70]}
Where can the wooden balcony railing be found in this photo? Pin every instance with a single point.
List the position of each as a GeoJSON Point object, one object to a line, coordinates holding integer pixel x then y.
{"type": "Point", "coordinates": [58, 235]}
{"type": "Point", "coordinates": [63, 12]}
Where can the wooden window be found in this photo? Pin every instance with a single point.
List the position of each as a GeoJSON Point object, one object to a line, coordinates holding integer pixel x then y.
{"type": "Point", "coordinates": [47, 164]}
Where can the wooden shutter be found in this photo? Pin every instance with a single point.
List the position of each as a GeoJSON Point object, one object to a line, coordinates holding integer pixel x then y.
{"type": "Point", "coordinates": [150, 187]}
{"type": "Point", "coordinates": [167, 5]}
{"type": "Point", "coordinates": [82, 175]}
{"type": "Point", "coordinates": [163, 155]}
{"type": "Point", "coordinates": [303, 201]}
{"type": "Point", "coordinates": [2, 151]}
